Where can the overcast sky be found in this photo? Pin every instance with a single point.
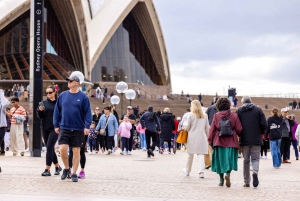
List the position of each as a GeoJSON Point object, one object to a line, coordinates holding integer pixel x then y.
{"type": "Point", "coordinates": [251, 45]}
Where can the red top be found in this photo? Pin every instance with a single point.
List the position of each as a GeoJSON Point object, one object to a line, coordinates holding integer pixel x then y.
{"type": "Point", "coordinates": [176, 126]}
{"type": "Point", "coordinates": [225, 141]}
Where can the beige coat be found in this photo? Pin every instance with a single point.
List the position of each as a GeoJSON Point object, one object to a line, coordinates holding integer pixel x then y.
{"type": "Point", "coordinates": [198, 130]}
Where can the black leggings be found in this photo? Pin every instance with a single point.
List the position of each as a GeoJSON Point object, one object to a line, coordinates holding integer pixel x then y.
{"type": "Point", "coordinates": [153, 135]}
{"type": "Point", "coordinates": [2, 134]}
{"type": "Point", "coordinates": [50, 138]}
{"type": "Point", "coordinates": [109, 142]}
{"type": "Point", "coordinates": [82, 154]}
{"type": "Point", "coordinates": [264, 148]}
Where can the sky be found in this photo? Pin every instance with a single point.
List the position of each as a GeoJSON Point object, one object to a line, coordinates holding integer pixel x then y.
{"type": "Point", "coordinates": [251, 45]}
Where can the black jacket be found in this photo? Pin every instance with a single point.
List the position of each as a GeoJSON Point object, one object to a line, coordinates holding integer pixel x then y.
{"type": "Point", "coordinates": [46, 116]}
{"type": "Point", "coordinates": [284, 126]}
{"type": "Point", "coordinates": [274, 130]}
{"type": "Point", "coordinates": [254, 124]}
{"type": "Point", "coordinates": [211, 111]}
{"type": "Point", "coordinates": [167, 126]}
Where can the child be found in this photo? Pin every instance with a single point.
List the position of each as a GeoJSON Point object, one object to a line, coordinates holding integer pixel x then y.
{"type": "Point", "coordinates": [124, 130]}
{"type": "Point", "coordinates": [92, 138]}
{"type": "Point", "coordinates": [142, 136]}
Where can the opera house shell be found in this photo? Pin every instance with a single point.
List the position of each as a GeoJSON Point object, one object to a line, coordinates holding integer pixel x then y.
{"type": "Point", "coordinates": [108, 40]}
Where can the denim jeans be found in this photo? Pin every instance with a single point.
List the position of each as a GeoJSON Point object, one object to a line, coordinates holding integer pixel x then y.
{"type": "Point", "coordinates": [294, 143]}
{"type": "Point", "coordinates": [92, 143]}
{"type": "Point", "coordinates": [143, 141]}
{"type": "Point", "coordinates": [275, 151]}
{"type": "Point", "coordinates": [125, 143]}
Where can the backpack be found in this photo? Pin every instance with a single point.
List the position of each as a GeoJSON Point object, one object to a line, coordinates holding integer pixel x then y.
{"type": "Point", "coordinates": [225, 127]}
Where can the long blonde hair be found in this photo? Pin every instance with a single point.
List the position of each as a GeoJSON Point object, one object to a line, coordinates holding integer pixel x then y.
{"type": "Point", "coordinates": [196, 109]}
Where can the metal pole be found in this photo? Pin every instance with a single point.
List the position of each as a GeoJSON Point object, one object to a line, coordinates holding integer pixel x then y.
{"type": "Point", "coordinates": [130, 101]}
{"type": "Point", "coordinates": [122, 103]}
{"type": "Point", "coordinates": [36, 73]}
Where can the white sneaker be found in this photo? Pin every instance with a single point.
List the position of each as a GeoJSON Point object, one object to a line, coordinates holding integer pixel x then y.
{"type": "Point", "coordinates": [156, 148]}
{"type": "Point", "coordinates": [90, 153]}
{"type": "Point", "coordinates": [240, 156]}
{"type": "Point", "coordinates": [201, 175]}
{"type": "Point", "coordinates": [44, 149]}
{"type": "Point", "coordinates": [27, 150]}
{"type": "Point", "coordinates": [93, 152]}
{"type": "Point", "coordinates": [185, 172]}
{"type": "Point", "coordinates": [129, 152]}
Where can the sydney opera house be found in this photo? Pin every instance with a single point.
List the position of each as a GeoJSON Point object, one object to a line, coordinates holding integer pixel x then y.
{"type": "Point", "coordinates": [108, 40]}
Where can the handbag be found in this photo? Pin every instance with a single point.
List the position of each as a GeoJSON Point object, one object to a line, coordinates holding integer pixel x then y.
{"type": "Point", "coordinates": [102, 130]}
{"type": "Point", "coordinates": [182, 136]}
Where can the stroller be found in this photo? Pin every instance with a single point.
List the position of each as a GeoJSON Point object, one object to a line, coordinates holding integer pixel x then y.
{"type": "Point", "coordinates": [136, 143]}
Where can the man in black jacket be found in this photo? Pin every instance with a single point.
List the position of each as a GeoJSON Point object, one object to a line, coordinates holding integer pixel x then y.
{"type": "Point", "coordinates": [286, 134]}
{"type": "Point", "coordinates": [254, 125]}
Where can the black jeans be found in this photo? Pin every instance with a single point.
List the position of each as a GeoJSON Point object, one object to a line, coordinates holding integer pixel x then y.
{"type": "Point", "coordinates": [284, 147]}
{"type": "Point", "coordinates": [82, 154]}
{"type": "Point", "coordinates": [50, 138]}
{"type": "Point", "coordinates": [2, 134]}
{"type": "Point", "coordinates": [109, 142]}
{"type": "Point", "coordinates": [149, 135]}
{"type": "Point", "coordinates": [125, 143]}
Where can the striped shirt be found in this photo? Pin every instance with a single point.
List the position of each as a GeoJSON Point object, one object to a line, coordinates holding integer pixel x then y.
{"type": "Point", "coordinates": [18, 111]}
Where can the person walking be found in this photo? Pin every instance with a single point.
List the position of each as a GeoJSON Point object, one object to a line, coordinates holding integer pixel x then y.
{"type": "Point", "coordinates": [4, 103]}
{"type": "Point", "coordinates": [109, 124]}
{"type": "Point", "coordinates": [45, 113]}
{"type": "Point", "coordinates": [7, 133]}
{"type": "Point", "coordinates": [274, 133]}
{"type": "Point", "coordinates": [141, 132]}
{"type": "Point", "coordinates": [124, 131]}
{"type": "Point", "coordinates": [18, 115]}
{"type": "Point", "coordinates": [132, 119]}
{"type": "Point", "coordinates": [151, 124]}
{"type": "Point", "coordinates": [198, 130]}
{"type": "Point", "coordinates": [294, 140]}
{"type": "Point", "coordinates": [72, 119]}
{"type": "Point", "coordinates": [96, 117]}
{"type": "Point", "coordinates": [254, 124]}
{"type": "Point", "coordinates": [225, 147]}
{"type": "Point", "coordinates": [167, 125]}
{"type": "Point", "coordinates": [286, 134]}
{"type": "Point", "coordinates": [116, 137]}
{"type": "Point", "coordinates": [92, 137]}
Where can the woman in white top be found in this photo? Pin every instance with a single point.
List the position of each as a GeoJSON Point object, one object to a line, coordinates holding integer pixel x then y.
{"type": "Point", "coordinates": [198, 130]}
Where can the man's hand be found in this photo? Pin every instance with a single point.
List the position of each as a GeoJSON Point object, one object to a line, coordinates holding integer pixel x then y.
{"type": "Point", "coordinates": [86, 131]}
{"type": "Point", "coordinates": [41, 108]}
{"type": "Point", "coordinates": [57, 131]}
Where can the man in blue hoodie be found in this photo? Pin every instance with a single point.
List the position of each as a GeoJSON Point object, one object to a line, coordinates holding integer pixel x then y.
{"type": "Point", "coordinates": [151, 124]}
{"type": "Point", "coordinates": [72, 119]}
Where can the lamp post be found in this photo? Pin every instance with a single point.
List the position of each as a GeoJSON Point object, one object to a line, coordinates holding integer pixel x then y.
{"type": "Point", "coordinates": [115, 100]}
{"type": "Point", "coordinates": [130, 95]}
{"type": "Point", "coordinates": [121, 87]}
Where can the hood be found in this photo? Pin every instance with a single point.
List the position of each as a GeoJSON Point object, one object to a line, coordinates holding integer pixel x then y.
{"type": "Point", "coordinates": [224, 113]}
{"type": "Point", "coordinates": [247, 107]}
{"type": "Point", "coordinates": [166, 116]}
{"type": "Point", "coordinates": [277, 120]}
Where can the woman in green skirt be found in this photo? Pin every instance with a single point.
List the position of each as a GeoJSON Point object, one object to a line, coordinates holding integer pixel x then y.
{"type": "Point", "coordinates": [224, 140]}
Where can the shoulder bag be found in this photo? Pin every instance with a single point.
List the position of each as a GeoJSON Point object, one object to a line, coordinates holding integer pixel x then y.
{"type": "Point", "coordinates": [102, 130]}
{"type": "Point", "coordinates": [183, 134]}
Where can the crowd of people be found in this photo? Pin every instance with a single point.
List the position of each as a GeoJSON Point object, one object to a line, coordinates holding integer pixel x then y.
{"type": "Point", "coordinates": [216, 134]}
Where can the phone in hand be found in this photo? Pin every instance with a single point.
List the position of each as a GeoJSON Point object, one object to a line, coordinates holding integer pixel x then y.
{"type": "Point", "coordinates": [41, 104]}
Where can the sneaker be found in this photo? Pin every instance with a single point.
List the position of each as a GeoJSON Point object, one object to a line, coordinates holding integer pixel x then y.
{"type": "Point", "coordinates": [227, 179]}
{"type": "Point", "coordinates": [129, 152]}
{"type": "Point", "coordinates": [255, 180]}
{"type": "Point", "coordinates": [240, 156]}
{"type": "Point", "coordinates": [122, 153]}
{"type": "Point", "coordinates": [27, 150]}
{"type": "Point", "coordinates": [185, 172]}
{"type": "Point", "coordinates": [246, 185]}
{"type": "Point", "coordinates": [81, 175]}
{"type": "Point", "coordinates": [46, 173]}
{"type": "Point", "coordinates": [201, 175]}
{"type": "Point", "coordinates": [90, 153]}
{"type": "Point", "coordinates": [156, 148]}
{"type": "Point", "coordinates": [22, 153]}
{"type": "Point", "coordinates": [207, 167]}
{"type": "Point", "coordinates": [109, 152]}
{"type": "Point", "coordinates": [74, 178]}
{"type": "Point", "coordinates": [93, 152]}
{"type": "Point", "coordinates": [297, 158]}
{"type": "Point", "coordinates": [7, 149]}
{"type": "Point", "coordinates": [15, 153]}
{"type": "Point", "coordinates": [161, 151]}
{"type": "Point", "coordinates": [65, 174]}
{"type": "Point", "coordinates": [44, 149]}
{"type": "Point", "coordinates": [150, 152]}
{"type": "Point", "coordinates": [57, 170]}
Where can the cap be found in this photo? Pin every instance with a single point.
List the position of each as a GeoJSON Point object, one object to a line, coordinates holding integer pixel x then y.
{"type": "Point", "coordinates": [129, 107]}
{"type": "Point", "coordinates": [73, 78]}
{"type": "Point", "coordinates": [284, 109]}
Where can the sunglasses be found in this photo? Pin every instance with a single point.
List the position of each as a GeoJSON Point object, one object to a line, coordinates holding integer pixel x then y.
{"type": "Point", "coordinates": [51, 92]}
{"type": "Point", "coordinates": [97, 109]}
{"type": "Point", "coordinates": [12, 102]}
{"type": "Point", "coordinates": [70, 81]}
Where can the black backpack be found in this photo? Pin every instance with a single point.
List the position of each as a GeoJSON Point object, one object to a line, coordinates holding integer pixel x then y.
{"type": "Point", "coordinates": [225, 127]}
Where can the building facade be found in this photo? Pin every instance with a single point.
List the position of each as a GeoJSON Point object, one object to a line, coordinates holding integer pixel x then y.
{"type": "Point", "coordinates": [108, 40]}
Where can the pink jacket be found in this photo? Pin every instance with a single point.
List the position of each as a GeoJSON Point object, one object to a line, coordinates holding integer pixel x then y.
{"type": "Point", "coordinates": [140, 129]}
{"type": "Point", "coordinates": [124, 129]}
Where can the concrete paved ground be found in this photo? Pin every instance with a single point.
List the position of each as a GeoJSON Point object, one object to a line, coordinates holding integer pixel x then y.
{"type": "Point", "coordinates": [136, 177]}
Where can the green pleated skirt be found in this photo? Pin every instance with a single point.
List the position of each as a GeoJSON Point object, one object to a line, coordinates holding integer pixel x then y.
{"type": "Point", "coordinates": [224, 159]}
